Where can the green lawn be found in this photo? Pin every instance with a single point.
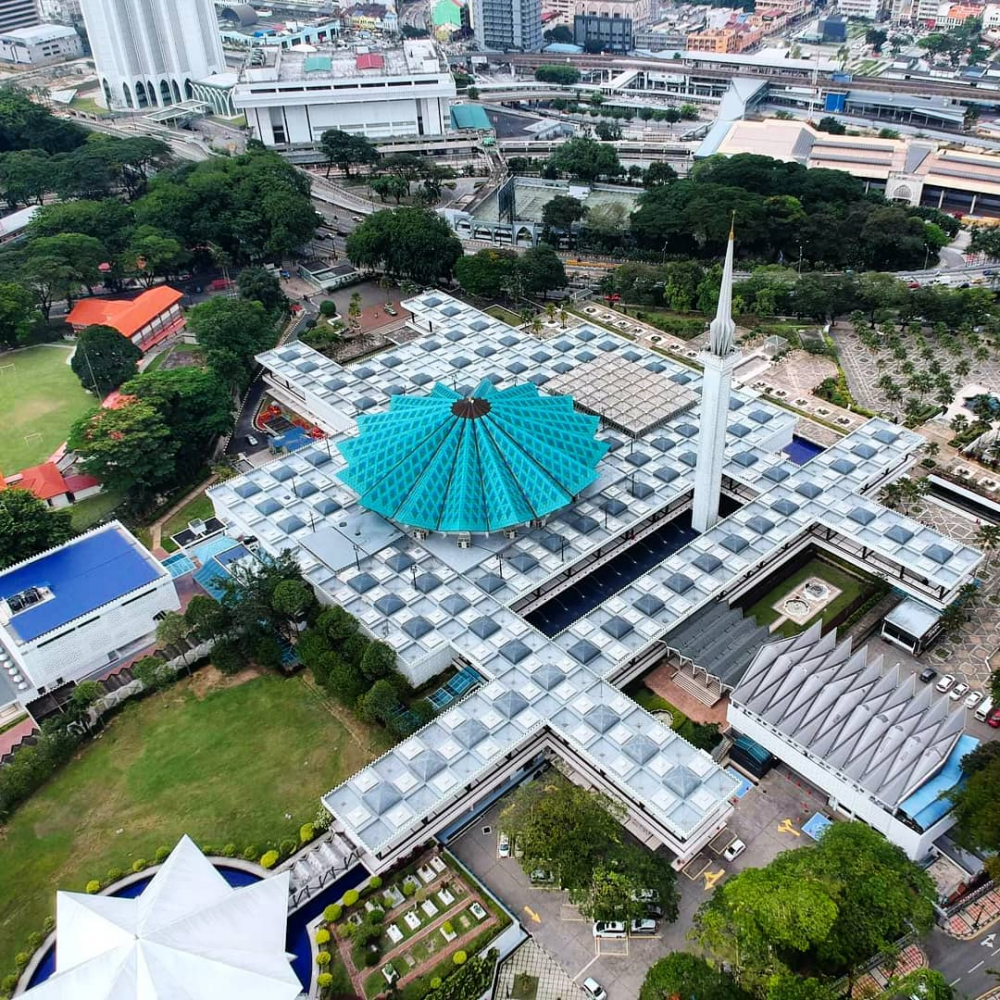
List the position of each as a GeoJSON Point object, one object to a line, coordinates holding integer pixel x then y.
{"type": "Point", "coordinates": [219, 760]}
{"type": "Point", "coordinates": [40, 397]}
{"type": "Point", "coordinates": [504, 315]}
{"type": "Point", "coordinates": [199, 507]}
{"type": "Point", "coordinates": [175, 349]}
{"type": "Point", "coordinates": [88, 512]}
{"type": "Point", "coordinates": [851, 589]}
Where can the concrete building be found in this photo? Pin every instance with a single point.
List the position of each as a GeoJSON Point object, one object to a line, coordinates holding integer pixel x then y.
{"type": "Point", "coordinates": [18, 14]}
{"type": "Point", "coordinates": [392, 92]}
{"type": "Point", "coordinates": [724, 41]}
{"type": "Point", "coordinates": [991, 17]}
{"type": "Point", "coordinates": [48, 484]}
{"type": "Point", "coordinates": [146, 320]}
{"type": "Point", "coordinates": [40, 45]}
{"type": "Point", "coordinates": [70, 612]}
{"type": "Point", "coordinates": [61, 11]}
{"type": "Point", "coordinates": [602, 34]}
{"type": "Point", "coordinates": [869, 10]}
{"type": "Point", "coordinates": [148, 53]}
{"type": "Point", "coordinates": [883, 747]}
{"type": "Point", "coordinates": [833, 28]}
{"type": "Point", "coordinates": [508, 25]}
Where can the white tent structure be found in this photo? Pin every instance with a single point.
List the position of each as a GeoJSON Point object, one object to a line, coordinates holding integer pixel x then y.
{"type": "Point", "coordinates": [188, 935]}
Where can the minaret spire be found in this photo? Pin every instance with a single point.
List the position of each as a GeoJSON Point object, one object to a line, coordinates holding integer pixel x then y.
{"type": "Point", "coordinates": [723, 329]}
{"type": "Point", "coordinates": [719, 359]}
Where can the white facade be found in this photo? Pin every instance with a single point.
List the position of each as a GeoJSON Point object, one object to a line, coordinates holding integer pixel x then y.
{"type": "Point", "coordinates": [40, 45]}
{"type": "Point", "coordinates": [870, 10]}
{"type": "Point", "coordinates": [149, 52]}
{"type": "Point", "coordinates": [991, 17]}
{"type": "Point", "coordinates": [77, 647]}
{"type": "Point", "coordinates": [393, 92]}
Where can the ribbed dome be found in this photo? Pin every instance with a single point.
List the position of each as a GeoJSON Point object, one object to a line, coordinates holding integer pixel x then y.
{"type": "Point", "coordinates": [485, 462]}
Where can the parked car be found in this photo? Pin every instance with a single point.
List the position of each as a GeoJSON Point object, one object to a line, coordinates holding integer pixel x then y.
{"type": "Point", "coordinates": [994, 719]}
{"type": "Point", "coordinates": [653, 911]}
{"type": "Point", "coordinates": [541, 876]}
{"type": "Point", "coordinates": [975, 697]}
{"type": "Point", "coordinates": [646, 896]}
{"type": "Point", "coordinates": [642, 927]}
{"type": "Point", "coordinates": [960, 690]}
{"type": "Point", "coordinates": [518, 848]}
{"type": "Point", "coordinates": [391, 310]}
{"type": "Point", "coordinates": [609, 929]}
{"type": "Point", "coordinates": [594, 989]}
{"type": "Point", "coordinates": [945, 683]}
{"type": "Point", "coordinates": [927, 675]}
{"type": "Point", "coordinates": [734, 850]}
{"type": "Point", "coordinates": [252, 441]}
{"type": "Point", "coordinates": [503, 845]}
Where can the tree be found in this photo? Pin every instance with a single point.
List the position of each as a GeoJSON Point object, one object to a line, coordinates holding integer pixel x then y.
{"type": "Point", "coordinates": [608, 131]}
{"type": "Point", "coordinates": [562, 211]}
{"type": "Point", "coordinates": [231, 332]}
{"type": "Point", "coordinates": [28, 526]}
{"type": "Point", "coordinates": [56, 267]}
{"type": "Point", "coordinates": [259, 285]}
{"type": "Point", "coordinates": [977, 819]}
{"type": "Point", "coordinates": [104, 359]}
{"type": "Point", "coordinates": [682, 974]}
{"type": "Point", "coordinates": [609, 219]}
{"type": "Point", "coordinates": [378, 661]}
{"type": "Point", "coordinates": [391, 186]}
{"type": "Point", "coordinates": [345, 150]}
{"type": "Point", "coordinates": [586, 159]}
{"type": "Point", "coordinates": [151, 255]}
{"type": "Point", "coordinates": [127, 448]}
{"type": "Point", "coordinates": [982, 757]}
{"type": "Point", "coordinates": [559, 34]}
{"type": "Point", "coordinates": [26, 176]}
{"type": "Point", "coordinates": [658, 173]}
{"type": "Point", "coordinates": [541, 270]}
{"type": "Point", "coordinates": [565, 75]}
{"type": "Point", "coordinates": [207, 618]}
{"type": "Point", "coordinates": [173, 630]}
{"type": "Point", "coordinates": [486, 274]}
{"type": "Point", "coordinates": [27, 124]}
{"type": "Point", "coordinates": [16, 314]}
{"type": "Point", "coordinates": [291, 600]}
{"type": "Point", "coordinates": [413, 243]}
{"type": "Point", "coordinates": [380, 704]}
{"type": "Point", "coordinates": [830, 124]}
{"type": "Point", "coordinates": [876, 38]}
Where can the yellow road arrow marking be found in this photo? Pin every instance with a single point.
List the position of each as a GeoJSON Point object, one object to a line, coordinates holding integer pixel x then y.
{"type": "Point", "coordinates": [785, 826]}
{"type": "Point", "coordinates": [712, 877]}
{"type": "Point", "coordinates": [534, 916]}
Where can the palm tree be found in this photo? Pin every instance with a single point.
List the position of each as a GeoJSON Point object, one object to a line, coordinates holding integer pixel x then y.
{"type": "Point", "coordinates": [988, 539]}
{"type": "Point", "coordinates": [354, 313]}
{"type": "Point", "coordinates": [536, 325]}
{"type": "Point", "coordinates": [563, 316]}
{"type": "Point", "coordinates": [527, 313]}
{"type": "Point", "coordinates": [550, 311]}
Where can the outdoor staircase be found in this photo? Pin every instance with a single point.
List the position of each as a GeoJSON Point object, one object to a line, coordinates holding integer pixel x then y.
{"type": "Point", "coordinates": [317, 865]}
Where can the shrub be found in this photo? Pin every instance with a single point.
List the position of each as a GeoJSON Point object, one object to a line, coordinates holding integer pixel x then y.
{"type": "Point", "coordinates": [459, 957]}
{"type": "Point", "coordinates": [322, 936]}
{"type": "Point", "coordinates": [9, 983]}
{"type": "Point", "coordinates": [436, 983]}
{"type": "Point", "coordinates": [93, 887]}
{"type": "Point", "coordinates": [49, 923]}
{"type": "Point", "coordinates": [351, 897]}
{"type": "Point", "coordinates": [229, 851]}
{"type": "Point", "coordinates": [161, 855]}
{"type": "Point", "coordinates": [140, 864]}
{"type": "Point", "coordinates": [408, 889]}
{"type": "Point", "coordinates": [22, 958]}
{"type": "Point", "coordinates": [114, 874]}
{"type": "Point", "coordinates": [269, 859]}
{"type": "Point", "coordinates": [374, 883]}
{"type": "Point", "coordinates": [372, 956]}
{"type": "Point", "coordinates": [324, 980]}
{"type": "Point", "coordinates": [306, 833]}
{"type": "Point", "coordinates": [328, 307]}
{"type": "Point", "coordinates": [332, 913]}
{"type": "Point", "coordinates": [287, 846]}
{"type": "Point", "coordinates": [250, 853]}
{"type": "Point", "coordinates": [387, 901]}
{"type": "Point", "coordinates": [34, 939]}
{"type": "Point", "coordinates": [346, 930]}
{"type": "Point", "coordinates": [227, 658]}
{"type": "Point", "coordinates": [448, 927]}
{"type": "Point", "coordinates": [323, 958]}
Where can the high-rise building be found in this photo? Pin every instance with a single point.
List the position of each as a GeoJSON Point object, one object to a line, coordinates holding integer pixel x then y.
{"type": "Point", "coordinates": [18, 14]}
{"type": "Point", "coordinates": [508, 25]}
{"type": "Point", "coordinates": [149, 53]}
{"type": "Point", "coordinates": [719, 359]}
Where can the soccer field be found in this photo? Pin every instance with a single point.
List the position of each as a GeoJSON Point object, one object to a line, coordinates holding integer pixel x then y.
{"type": "Point", "coordinates": [40, 398]}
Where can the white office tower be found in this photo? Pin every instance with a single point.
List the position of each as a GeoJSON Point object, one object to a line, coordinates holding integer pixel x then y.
{"type": "Point", "coordinates": [149, 53]}
{"type": "Point", "coordinates": [719, 360]}
{"type": "Point", "coordinates": [18, 14]}
{"type": "Point", "coordinates": [508, 25]}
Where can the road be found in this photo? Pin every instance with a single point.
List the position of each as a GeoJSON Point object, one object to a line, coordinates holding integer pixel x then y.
{"type": "Point", "coordinates": [414, 14]}
{"type": "Point", "coordinates": [965, 964]}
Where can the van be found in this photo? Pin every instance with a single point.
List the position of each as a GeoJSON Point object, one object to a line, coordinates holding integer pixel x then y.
{"type": "Point", "coordinates": [983, 712]}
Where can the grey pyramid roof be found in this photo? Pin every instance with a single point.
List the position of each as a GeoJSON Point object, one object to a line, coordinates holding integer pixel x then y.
{"type": "Point", "coordinates": [878, 728]}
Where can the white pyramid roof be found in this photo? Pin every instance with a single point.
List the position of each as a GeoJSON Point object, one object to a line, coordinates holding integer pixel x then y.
{"type": "Point", "coordinates": [188, 936]}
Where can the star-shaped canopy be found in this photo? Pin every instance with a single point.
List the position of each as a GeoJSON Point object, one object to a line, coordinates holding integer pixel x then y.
{"type": "Point", "coordinates": [188, 935]}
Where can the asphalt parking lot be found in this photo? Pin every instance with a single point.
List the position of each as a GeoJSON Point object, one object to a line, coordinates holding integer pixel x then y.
{"type": "Point", "coordinates": [768, 819]}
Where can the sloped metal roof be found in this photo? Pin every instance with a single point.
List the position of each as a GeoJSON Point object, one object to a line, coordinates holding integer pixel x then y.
{"type": "Point", "coordinates": [876, 726]}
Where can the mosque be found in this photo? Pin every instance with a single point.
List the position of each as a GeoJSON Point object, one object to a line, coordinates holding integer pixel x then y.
{"type": "Point", "coordinates": [546, 513]}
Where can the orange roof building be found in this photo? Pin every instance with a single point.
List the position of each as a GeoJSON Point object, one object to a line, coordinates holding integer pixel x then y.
{"type": "Point", "coordinates": [146, 320]}
{"type": "Point", "coordinates": [47, 483]}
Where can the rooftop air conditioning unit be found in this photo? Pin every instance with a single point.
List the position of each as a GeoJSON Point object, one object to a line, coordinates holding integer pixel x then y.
{"type": "Point", "coordinates": [510, 533]}
{"type": "Point", "coordinates": [465, 541]}
{"type": "Point", "coordinates": [537, 523]}
{"type": "Point", "coordinates": [197, 527]}
{"type": "Point", "coordinates": [420, 534]}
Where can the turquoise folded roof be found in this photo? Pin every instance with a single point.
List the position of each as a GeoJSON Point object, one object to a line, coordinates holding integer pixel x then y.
{"type": "Point", "coordinates": [484, 462]}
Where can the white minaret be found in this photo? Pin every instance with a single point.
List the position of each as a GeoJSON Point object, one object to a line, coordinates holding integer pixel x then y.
{"type": "Point", "coordinates": [719, 359]}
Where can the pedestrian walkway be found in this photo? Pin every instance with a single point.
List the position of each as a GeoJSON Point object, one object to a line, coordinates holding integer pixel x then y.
{"type": "Point", "coordinates": [531, 971]}
{"type": "Point", "coordinates": [875, 980]}
{"type": "Point", "coordinates": [974, 918]}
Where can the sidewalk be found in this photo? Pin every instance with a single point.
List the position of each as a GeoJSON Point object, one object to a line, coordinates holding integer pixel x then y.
{"type": "Point", "coordinates": [973, 919]}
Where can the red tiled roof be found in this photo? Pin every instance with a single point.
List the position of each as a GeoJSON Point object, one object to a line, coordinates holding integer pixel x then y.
{"type": "Point", "coordinates": [369, 60]}
{"type": "Point", "coordinates": [45, 481]}
{"type": "Point", "coordinates": [127, 316]}
{"type": "Point", "coordinates": [81, 481]}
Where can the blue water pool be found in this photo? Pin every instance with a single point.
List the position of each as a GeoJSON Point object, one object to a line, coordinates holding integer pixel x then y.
{"type": "Point", "coordinates": [801, 450]}
{"type": "Point", "coordinates": [178, 564]}
{"type": "Point", "coordinates": [297, 940]}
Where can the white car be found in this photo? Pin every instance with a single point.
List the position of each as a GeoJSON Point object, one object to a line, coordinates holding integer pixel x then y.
{"type": "Point", "coordinates": [609, 929]}
{"type": "Point", "coordinates": [594, 989]}
{"type": "Point", "coordinates": [959, 691]}
{"type": "Point", "coordinates": [945, 683]}
{"type": "Point", "coordinates": [734, 850]}
{"type": "Point", "coordinates": [975, 697]}
{"type": "Point", "coordinates": [645, 926]}
{"type": "Point", "coordinates": [503, 845]}
{"type": "Point", "coordinates": [252, 441]}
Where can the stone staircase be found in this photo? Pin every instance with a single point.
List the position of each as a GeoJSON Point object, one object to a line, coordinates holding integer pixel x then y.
{"type": "Point", "coordinates": [696, 688]}
{"type": "Point", "coordinates": [317, 865]}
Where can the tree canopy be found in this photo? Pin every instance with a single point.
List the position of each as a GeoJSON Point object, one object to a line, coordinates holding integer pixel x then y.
{"type": "Point", "coordinates": [586, 159]}
{"type": "Point", "coordinates": [29, 526]}
{"type": "Point", "coordinates": [682, 974]}
{"type": "Point", "coordinates": [413, 243]}
{"type": "Point", "coordinates": [231, 332]}
{"type": "Point", "coordinates": [103, 359]}
{"type": "Point", "coordinates": [976, 815]}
